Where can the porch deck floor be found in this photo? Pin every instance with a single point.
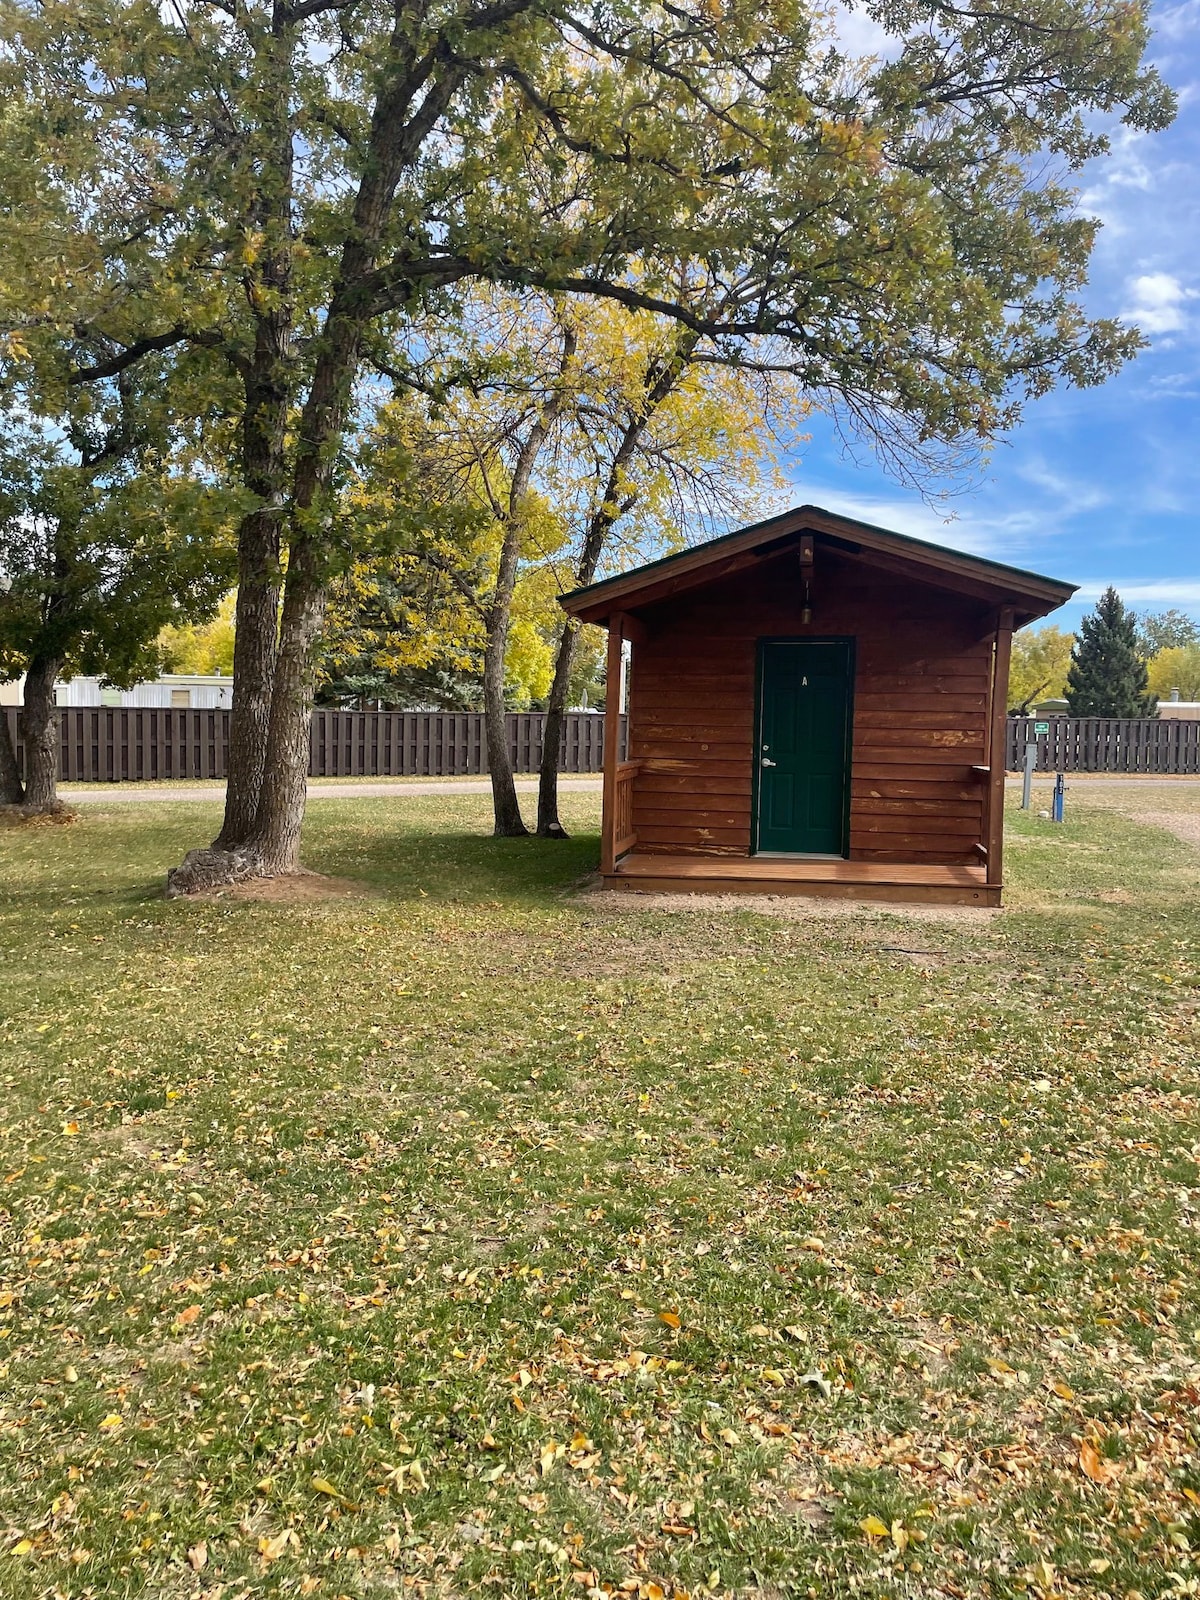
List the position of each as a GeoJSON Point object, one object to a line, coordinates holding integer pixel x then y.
{"type": "Point", "coordinates": [851, 880]}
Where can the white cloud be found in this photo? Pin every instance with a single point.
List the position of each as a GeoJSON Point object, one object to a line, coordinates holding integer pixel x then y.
{"type": "Point", "coordinates": [1070, 492]}
{"type": "Point", "coordinates": [1183, 592]}
{"type": "Point", "coordinates": [999, 536]}
{"type": "Point", "coordinates": [1159, 302]}
{"type": "Point", "coordinates": [1178, 23]}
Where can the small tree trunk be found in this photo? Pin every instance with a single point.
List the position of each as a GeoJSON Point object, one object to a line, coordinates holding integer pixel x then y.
{"type": "Point", "coordinates": [617, 498]}
{"type": "Point", "coordinates": [506, 808]}
{"type": "Point", "coordinates": [548, 825]}
{"type": "Point", "coordinates": [12, 790]}
{"type": "Point", "coordinates": [39, 729]}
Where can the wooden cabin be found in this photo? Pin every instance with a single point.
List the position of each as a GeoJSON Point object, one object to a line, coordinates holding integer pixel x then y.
{"type": "Point", "coordinates": [815, 706]}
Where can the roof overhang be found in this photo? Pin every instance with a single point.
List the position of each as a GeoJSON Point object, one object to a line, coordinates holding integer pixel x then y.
{"type": "Point", "coordinates": [1028, 594]}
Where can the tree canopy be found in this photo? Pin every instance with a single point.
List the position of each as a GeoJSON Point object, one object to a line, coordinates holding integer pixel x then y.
{"type": "Point", "coordinates": [1040, 660]}
{"type": "Point", "coordinates": [1165, 630]}
{"type": "Point", "coordinates": [200, 647]}
{"type": "Point", "coordinates": [106, 536]}
{"type": "Point", "coordinates": [1176, 667]}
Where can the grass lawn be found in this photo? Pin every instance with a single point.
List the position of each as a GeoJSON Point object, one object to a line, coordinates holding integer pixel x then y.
{"type": "Point", "coordinates": [470, 1237]}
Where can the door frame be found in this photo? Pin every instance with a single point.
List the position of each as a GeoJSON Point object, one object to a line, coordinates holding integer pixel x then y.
{"type": "Point", "coordinates": [851, 642]}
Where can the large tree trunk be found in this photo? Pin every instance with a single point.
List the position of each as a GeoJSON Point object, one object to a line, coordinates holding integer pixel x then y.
{"type": "Point", "coordinates": [276, 838]}
{"type": "Point", "coordinates": [254, 641]}
{"type": "Point", "coordinates": [269, 768]}
{"type": "Point", "coordinates": [268, 382]}
{"type": "Point", "coordinates": [548, 825]}
{"type": "Point", "coordinates": [275, 841]}
{"type": "Point", "coordinates": [12, 790]}
{"type": "Point", "coordinates": [39, 729]}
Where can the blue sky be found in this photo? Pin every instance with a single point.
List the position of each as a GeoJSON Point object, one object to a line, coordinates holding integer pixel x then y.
{"type": "Point", "coordinates": [1097, 486]}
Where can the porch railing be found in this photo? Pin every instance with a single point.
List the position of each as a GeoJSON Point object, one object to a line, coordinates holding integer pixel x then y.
{"type": "Point", "coordinates": [624, 833]}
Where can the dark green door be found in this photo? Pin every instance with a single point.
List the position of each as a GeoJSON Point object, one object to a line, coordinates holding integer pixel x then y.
{"type": "Point", "coordinates": [803, 751]}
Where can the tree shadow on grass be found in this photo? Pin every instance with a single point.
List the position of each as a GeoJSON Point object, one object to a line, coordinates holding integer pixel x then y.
{"type": "Point", "coordinates": [407, 857]}
{"type": "Point", "coordinates": [416, 848]}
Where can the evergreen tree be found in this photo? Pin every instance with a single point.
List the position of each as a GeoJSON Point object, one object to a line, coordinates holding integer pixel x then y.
{"type": "Point", "coordinates": [1107, 676]}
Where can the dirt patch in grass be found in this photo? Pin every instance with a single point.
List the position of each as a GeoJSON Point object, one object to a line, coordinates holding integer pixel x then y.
{"type": "Point", "coordinates": [300, 888]}
{"type": "Point", "coordinates": [787, 907]}
{"type": "Point", "coordinates": [1184, 825]}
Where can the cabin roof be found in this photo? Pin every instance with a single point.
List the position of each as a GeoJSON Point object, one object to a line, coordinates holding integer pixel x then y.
{"type": "Point", "coordinates": [1028, 593]}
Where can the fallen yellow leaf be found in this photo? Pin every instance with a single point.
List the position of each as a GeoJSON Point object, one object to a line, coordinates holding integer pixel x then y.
{"type": "Point", "coordinates": [874, 1528]}
{"type": "Point", "coordinates": [272, 1549]}
{"type": "Point", "coordinates": [1093, 1465]}
{"type": "Point", "coordinates": [188, 1314]}
{"type": "Point", "coordinates": [323, 1486]}
{"type": "Point", "coordinates": [671, 1318]}
{"type": "Point", "coordinates": [112, 1420]}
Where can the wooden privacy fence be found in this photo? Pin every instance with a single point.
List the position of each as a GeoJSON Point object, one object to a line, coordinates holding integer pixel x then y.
{"type": "Point", "coordinates": [1107, 744]}
{"type": "Point", "coordinates": [114, 744]}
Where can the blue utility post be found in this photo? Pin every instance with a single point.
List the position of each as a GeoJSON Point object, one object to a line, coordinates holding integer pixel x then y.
{"type": "Point", "coordinates": [1060, 790]}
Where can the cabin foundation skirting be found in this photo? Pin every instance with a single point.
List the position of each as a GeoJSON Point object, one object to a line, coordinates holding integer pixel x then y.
{"type": "Point", "coordinates": [831, 880]}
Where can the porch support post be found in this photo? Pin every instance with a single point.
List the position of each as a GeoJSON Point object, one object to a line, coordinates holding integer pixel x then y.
{"type": "Point", "coordinates": [612, 742]}
{"type": "Point", "coordinates": [997, 748]}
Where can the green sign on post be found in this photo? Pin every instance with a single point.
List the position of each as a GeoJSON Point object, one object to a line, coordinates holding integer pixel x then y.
{"type": "Point", "coordinates": [1041, 727]}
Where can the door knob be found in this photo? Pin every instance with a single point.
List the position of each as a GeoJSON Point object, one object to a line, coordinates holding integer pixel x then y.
{"type": "Point", "coordinates": [767, 762]}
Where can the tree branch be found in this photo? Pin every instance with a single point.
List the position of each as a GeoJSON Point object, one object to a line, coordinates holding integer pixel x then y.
{"type": "Point", "coordinates": [131, 354]}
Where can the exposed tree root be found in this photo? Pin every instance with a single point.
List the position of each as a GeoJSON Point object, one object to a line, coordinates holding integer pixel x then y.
{"type": "Point", "coordinates": [201, 870]}
{"type": "Point", "coordinates": [247, 877]}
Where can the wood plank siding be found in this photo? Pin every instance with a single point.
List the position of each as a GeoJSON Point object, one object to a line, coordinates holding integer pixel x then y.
{"type": "Point", "coordinates": [923, 669]}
